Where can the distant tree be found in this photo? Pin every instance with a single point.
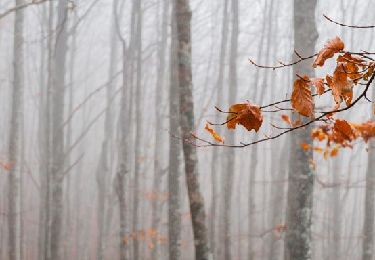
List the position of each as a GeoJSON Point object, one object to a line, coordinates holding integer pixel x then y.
{"type": "Point", "coordinates": [196, 203]}
{"type": "Point", "coordinates": [14, 131]}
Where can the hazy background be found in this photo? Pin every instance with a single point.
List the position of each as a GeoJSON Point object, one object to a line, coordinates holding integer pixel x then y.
{"type": "Point", "coordinates": [94, 62]}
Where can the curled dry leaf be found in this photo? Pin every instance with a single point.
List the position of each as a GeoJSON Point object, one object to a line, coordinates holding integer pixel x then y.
{"type": "Point", "coordinates": [214, 134]}
{"type": "Point", "coordinates": [341, 85]}
{"type": "Point", "coordinates": [286, 119]}
{"type": "Point", "coordinates": [318, 83]}
{"type": "Point", "coordinates": [330, 48]}
{"type": "Point", "coordinates": [305, 146]}
{"type": "Point", "coordinates": [302, 100]}
{"type": "Point", "coordinates": [342, 132]}
{"type": "Point", "coordinates": [334, 151]}
{"type": "Point", "coordinates": [246, 114]}
{"type": "Point", "coordinates": [351, 65]}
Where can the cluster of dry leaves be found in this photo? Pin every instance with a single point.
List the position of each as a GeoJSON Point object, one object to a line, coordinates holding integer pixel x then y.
{"type": "Point", "coordinates": [351, 70]}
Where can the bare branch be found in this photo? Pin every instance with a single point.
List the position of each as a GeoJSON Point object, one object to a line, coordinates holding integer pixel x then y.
{"type": "Point", "coordinates": [282, 65]}
{"type": "Point", "coordinates": [19, 7]}
{"type": "Point", "coordinates": [350, 26]}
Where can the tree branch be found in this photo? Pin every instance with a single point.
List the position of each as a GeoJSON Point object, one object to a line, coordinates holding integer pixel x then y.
{"type": "Point", "coordinates": [19, 7]}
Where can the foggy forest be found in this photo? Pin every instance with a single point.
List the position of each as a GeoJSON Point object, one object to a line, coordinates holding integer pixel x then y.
{"type": "Point", "coordinates": [187, 129]}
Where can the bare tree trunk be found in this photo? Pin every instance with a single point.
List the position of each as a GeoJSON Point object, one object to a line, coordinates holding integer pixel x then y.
{"type": "Point", "coordinates": [104, 169]}
{"type": "Point", "coordinates": [14, 131]}
{"type": "Point", "coordinates": [334, 246]}
{"type": "Point", "coordinates": [196, 202]}
{"type": "Point", "coordinates": [47, 149]}
{"type": "Point", "coordinates": [301, 179]}
{"type": "Point", "coordinates": [156, 206]}
{"type": "Point", "coordinates": [123, 159]}
{"type": "Point", "coordinates": [368, 224]}
{"type": "Point", "coordinates": [57, 168]}
{"type": "Point", "coordinates": [174, 214]}
{"type": "Point", "coordinates": [255, 148]}
{"type": "Point", "coordinates": [278, 197]}
{"type": "Point", "coordinates": [230, 167]}
{"type": "Point", "coordinates": [69, 132]}
{"type": "Point", "coordinates": [215, 170]}
{"type": "Point", "coordinates": [43, 144]}
{"type": "Point", "coordinates": [138, 134]}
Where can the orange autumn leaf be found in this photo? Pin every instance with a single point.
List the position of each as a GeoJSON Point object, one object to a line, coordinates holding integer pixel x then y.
{"type": "Point", "coordinates": [341, 85]}
{"type": "Point", "coordinates": [318, 83]}
{"type": "Point", "coordinates": [365, 130]}
{"type": "Point", "coordinates": [286, 119]}
{"type": "Point", "coordinates": [215, 135]}
{"type": "Point", "coordinates": [342, 132]}
{"type": "Point", "coordinates": [347, 57]}
{"type": "Point", "coordinates": [318, 149]}
{"type": "Point", "coordinates": [352, 65]}
{"type": "Point", "coordinates": [334, 151]}
{"type": "Point", "coordinates": [6, 165]}
{"type": "Point", "coordinates": [246, 114]}
{"type": "Point", "coordinates": [318, 134]}
{"type": "Point", "coordinates": [330, 48]}
{"type": "Point", "coordinates": [302, 100]}
{"type": "Point", "coordinates": [305, 146]}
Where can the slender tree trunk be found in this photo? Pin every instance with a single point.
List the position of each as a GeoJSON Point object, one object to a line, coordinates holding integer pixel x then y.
{"type": "Point", "coordinates": [69, 132]}
{"type": "Point", "coordinates": [47, 149]}
{"type": "Point", "coordinates": [254, 149]}
{"type": "Point", "coordinates": [278, 197]}
{"type": "Point", "coordinates": [174, 214]}
{"type": "Point", "coordinates": [215, 170]}
{"type": "Point", "coordinates": [58, 131]}
{"type": "Point", "coordinates": [298, 244]}
{"type": "Point", "coordinates": [230, 155]}
{"type": "Point", "coordinates": [138, 122]}
{"type": "Point", "coordinates": [368, 224]}
{"type": "Point", "coordinates": [43, 164]}
{"type": "Point", "coordinates": [159, 95]}
{"type": "Point", "coordinates": [334, 248]}
{"type": "Point", "coordinates": [14, 131]}
{"type": "Point", "coordinates": [196, 202]}
{"type": "Point", "coordinates": [104, 169]}
{"type": "Point", "coordinates": [123, 159]}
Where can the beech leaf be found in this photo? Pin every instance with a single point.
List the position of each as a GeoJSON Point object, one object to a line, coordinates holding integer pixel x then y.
{"type": "Point", "coordinates": [330, 48]}
{"type": "Point", "coordinates": [302, 100]}
{"type": "Point", "coordinates": [318, 83]}
{"type": "Point", "coordinates": [214, 134]}
{"type": "Point", "coordinates": [246, 114]}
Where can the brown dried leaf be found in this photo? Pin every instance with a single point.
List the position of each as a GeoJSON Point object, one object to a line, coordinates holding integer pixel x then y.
{"type": "Point", "coordinates": [214, 134]}
{"type": "Point", "coordinates": [341, 85]}
{"type": "Point", "coordinates": [247, 115]}
{"type": "Point", "coordinates": [342, 132]}
{"type": "Point", "coordinates": [286, 119]}
{"type": "Point", "coordinates": [318, 83]}
{"type": "Point", "coordinates": [330, 48]}
{"type": "Point", "coordinates": [302, 100]}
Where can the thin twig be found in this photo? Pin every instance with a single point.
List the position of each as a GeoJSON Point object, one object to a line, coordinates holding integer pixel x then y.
{"type": "Point", "coordinates": [282, 64]}
{"type": "Point", "coordinates": [350, 26]}
{"type": "Point", "coordinates": [19, 7]}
